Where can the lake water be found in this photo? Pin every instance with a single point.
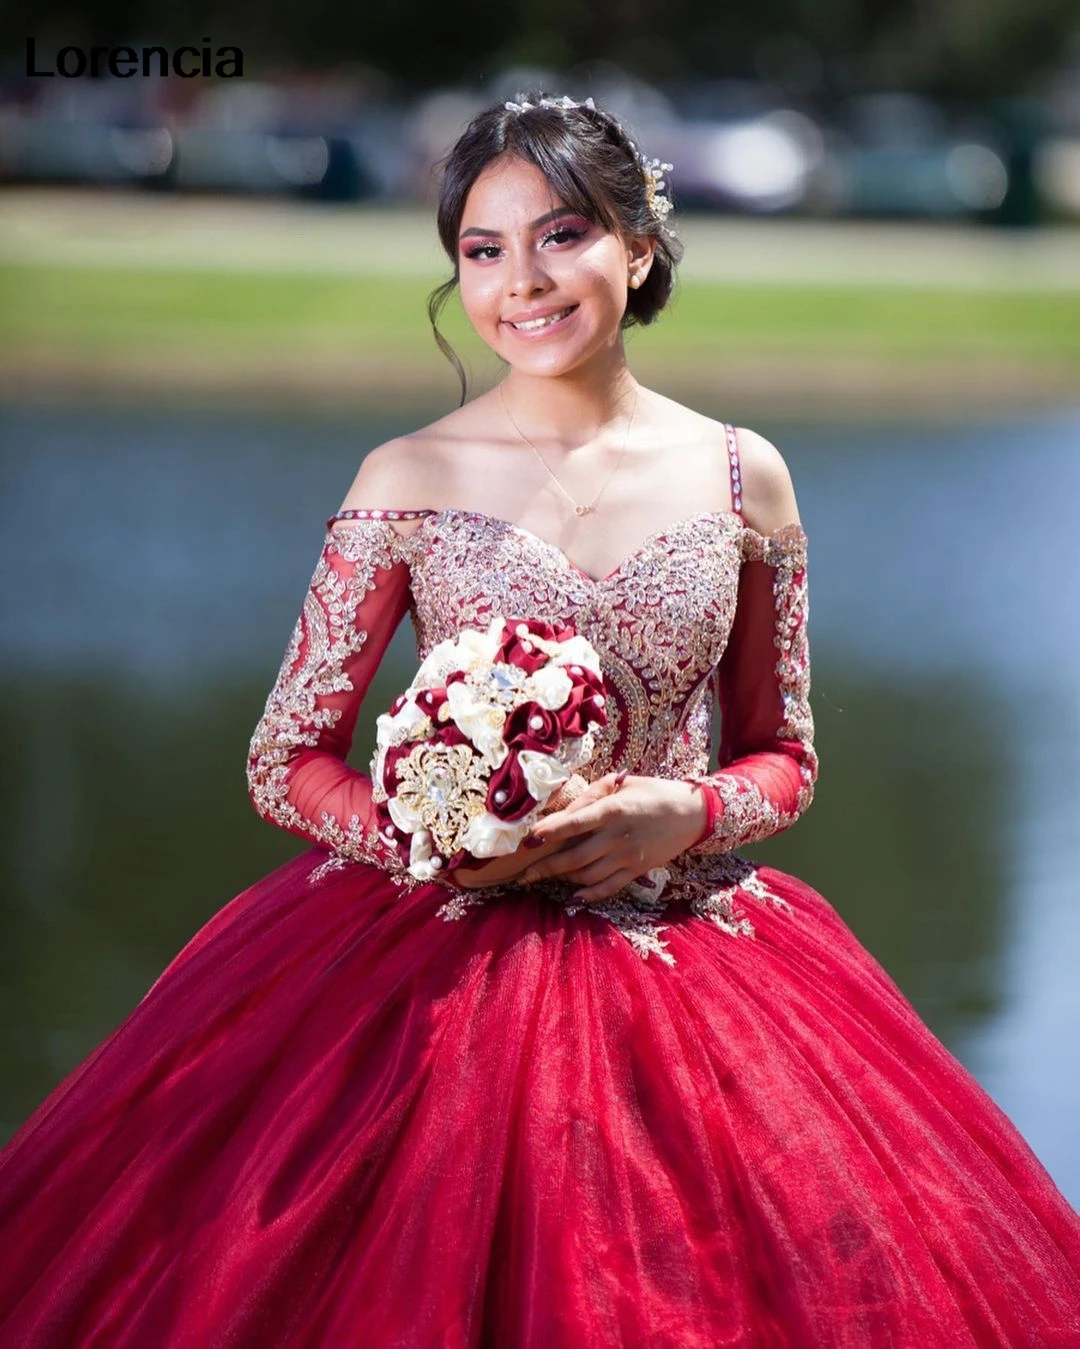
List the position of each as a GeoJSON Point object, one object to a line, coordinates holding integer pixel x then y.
{"type": "Point", "coordinates": [153, 567]}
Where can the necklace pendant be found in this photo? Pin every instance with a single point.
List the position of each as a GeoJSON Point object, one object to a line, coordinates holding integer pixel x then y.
{"type": "Point", "coordinates": [582, 510]}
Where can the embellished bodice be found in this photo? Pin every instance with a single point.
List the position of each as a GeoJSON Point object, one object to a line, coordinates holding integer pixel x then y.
{"type": "Point", "coordinates": [705, 608]}
{"type": "Point", "coordinates": [659, 621]}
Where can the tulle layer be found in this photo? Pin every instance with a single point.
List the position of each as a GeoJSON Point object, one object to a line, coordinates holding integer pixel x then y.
{"type": "Point", "coordinates": [338, 1121]}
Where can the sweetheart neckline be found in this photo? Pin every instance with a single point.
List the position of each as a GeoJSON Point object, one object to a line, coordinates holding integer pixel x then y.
{"type": "Point", "coordinates": [791, 533]}
{"type": "Point", "coordinates": [654, 537]}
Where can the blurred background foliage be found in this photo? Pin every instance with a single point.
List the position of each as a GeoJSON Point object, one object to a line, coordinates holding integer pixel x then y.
{"type": "Point", "coordinates": [828, 47]}
{"type": "Point", "coordinates": [899, 108]}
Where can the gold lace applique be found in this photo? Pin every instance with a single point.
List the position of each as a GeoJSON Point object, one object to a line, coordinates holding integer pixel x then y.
{"type": "Point", "coordinates": [325, 638]}
{"type": "Point", "coordinates": [333, 863]}
{"type": "Point", "coordinates": [746, 814]}
{"type": "Point", "coordinates": [710, 888]}
{"type": "Point", "coordinates": [631, 919]}
{"type": "Point", "coordinates": [632, 914]}
{"type": "Point", "coordinates": [461, 901]}
{"type": "Point", "coordinates": [707, 888]}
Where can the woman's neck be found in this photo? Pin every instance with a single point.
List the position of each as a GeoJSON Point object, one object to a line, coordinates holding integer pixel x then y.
{"type": "Point", "coordinates": [565, 413]}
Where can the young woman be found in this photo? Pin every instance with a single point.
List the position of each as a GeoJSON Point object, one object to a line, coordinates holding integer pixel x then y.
{"type": "Point", "coordinates": [534, 1104]}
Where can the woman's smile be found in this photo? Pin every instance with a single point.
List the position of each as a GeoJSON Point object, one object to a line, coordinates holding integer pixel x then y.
{"type": "Point", "coordinates": [542, 323]}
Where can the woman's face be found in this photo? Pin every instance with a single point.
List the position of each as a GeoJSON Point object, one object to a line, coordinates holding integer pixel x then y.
{"type": "Point", "coordinates": [523, 254]}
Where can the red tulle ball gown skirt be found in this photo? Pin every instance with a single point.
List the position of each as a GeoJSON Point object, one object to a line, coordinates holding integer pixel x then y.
{"type": "Point", "coordinates": [339, 1121]}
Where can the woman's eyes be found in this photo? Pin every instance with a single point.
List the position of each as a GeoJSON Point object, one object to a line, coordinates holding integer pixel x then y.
{"type": "Point", "coordinates": [563, 232]}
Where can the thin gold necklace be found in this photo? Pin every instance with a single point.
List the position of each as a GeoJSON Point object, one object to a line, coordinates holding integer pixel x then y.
{"type": "Point", "coordinates": [578, 509]}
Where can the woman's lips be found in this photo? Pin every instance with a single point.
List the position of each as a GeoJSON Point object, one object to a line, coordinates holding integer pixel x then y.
{"type": "Point", "coordinates": [555, 325]}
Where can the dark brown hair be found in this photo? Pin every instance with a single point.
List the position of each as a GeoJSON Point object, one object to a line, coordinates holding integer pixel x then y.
{"type": "Point", "coordinates": [591, 162]}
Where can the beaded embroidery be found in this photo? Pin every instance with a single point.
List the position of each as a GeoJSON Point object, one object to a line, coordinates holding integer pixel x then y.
{"type": "Point", "coordinates": [374, 513]}
{"type": "Point", "coordinates": [745, 815]}
{"type": "Point", "coordinates": [325, 638]}
{"type": "Point", "coordinates": [733, 464]}
{"type": "Point", "coordinates": [660, 621]}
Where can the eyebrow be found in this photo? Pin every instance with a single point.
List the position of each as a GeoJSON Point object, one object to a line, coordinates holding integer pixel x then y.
{"type": "Point", "coordinates": [533, 224]}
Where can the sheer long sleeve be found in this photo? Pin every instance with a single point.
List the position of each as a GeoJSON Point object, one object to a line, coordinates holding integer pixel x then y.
{"type": "Point", "coordinates": [767, 762]}
{"type": "Point", "coordinates": [296, 771]}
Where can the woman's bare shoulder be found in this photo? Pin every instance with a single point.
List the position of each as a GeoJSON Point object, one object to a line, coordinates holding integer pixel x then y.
{"type": "Point", "coordinates": [388, 478]}
{"type": "Point", "coordinates": [410, 472]}
{"type": "Point", "coordinates": [768, 494]}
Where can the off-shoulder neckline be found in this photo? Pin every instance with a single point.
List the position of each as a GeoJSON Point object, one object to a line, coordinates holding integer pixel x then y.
{"type": "Point", "coordinates": [792, 531]}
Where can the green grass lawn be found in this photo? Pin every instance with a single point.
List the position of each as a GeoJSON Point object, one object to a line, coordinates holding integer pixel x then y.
{"type": "Point", "coordinates": [109, 327]}
{"type": "Point", "coordinates": [89, 308]}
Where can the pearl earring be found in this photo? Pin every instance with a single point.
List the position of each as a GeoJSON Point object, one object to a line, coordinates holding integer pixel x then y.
{"type": "Point", "coordinates": [635, 281]}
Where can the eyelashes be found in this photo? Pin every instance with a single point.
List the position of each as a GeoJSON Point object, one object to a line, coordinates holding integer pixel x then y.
{"type": "Point", "coordinates": [569, 232]}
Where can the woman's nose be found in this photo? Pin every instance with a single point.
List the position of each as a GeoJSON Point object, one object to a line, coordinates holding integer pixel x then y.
{"type": "Point", "coordinates": [526, 275]}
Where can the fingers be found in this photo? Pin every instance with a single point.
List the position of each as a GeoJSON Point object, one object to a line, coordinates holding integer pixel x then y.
{"type": "Point", "coordinates": [565, 863]}
{"type": "Point", "coordinates": [594, 883]}
{"type": "Point", "coordinates": [581, 864]}
{"type": "Point", "coordinates": [568, 822]}
{"type": "Point", "coordinates": [578, 870]}
{"type": "Point", "coordinates": [601, 890]}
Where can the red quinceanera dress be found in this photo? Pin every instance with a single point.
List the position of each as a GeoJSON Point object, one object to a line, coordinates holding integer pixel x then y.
{"type": "Point", "coordinates": [361, 1111]}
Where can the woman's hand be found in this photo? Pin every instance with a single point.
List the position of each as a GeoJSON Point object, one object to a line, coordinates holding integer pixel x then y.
{"type": "Point", "coordinates": [612, 834]}
{"type": "Point", "coordinates": [504, 869]}
{"type": "Point", "coordinates": [508, 867]}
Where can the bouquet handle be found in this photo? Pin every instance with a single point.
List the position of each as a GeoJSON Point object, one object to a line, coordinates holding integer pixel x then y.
{"type": "Point", "coordinates": [568, 791]}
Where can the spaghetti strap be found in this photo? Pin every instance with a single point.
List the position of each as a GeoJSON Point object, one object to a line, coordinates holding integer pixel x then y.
{"type": "Point", "coordinates": [379, 513]}
{"type": "Point", "coordinates": [736, 471]}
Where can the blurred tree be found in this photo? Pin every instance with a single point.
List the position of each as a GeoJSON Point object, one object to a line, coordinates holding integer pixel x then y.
{"type": "Point", "coordinates": [939, 47]}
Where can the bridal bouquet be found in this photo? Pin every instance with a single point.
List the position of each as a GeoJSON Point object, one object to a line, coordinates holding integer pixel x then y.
{"type": "Point", "coordinates": [486, 736]}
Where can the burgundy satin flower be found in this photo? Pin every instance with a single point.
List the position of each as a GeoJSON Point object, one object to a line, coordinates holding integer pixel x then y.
{"type": "Point", "coordinates": [449, 733]}
{"type": "Point", "coordinates": [581, 707]}
{"type": "Point", "coordinates": [391, 835]}
{"type": "Point", "coordinates": [430, 702]}
{"type": "Point", "coordinates": [509, 778]}
{"type": "Point", "coordinates": [511, 650]}
{"type": "Point", "coordinates": [519, 733]}
{"type": "Point", "coordinates": [393, 754]}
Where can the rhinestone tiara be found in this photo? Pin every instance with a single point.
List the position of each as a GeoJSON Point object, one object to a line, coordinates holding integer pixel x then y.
{"type": "Point", "coordinates": [653, 170]}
